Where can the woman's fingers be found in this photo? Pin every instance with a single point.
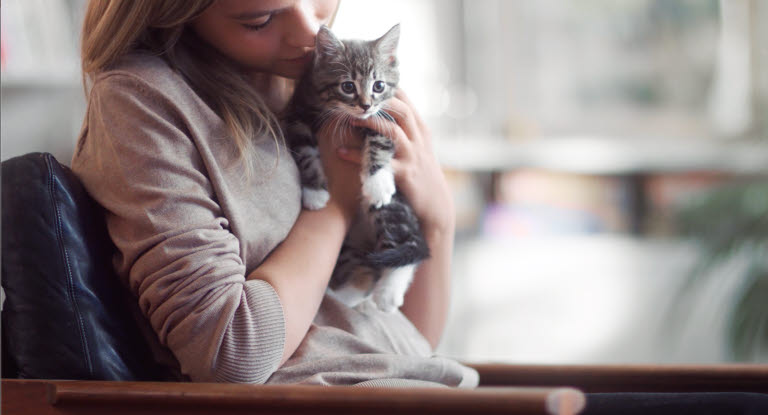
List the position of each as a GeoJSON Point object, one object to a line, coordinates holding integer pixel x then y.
{"type": "Point", "coordinates": [400, 94]}
{"type": "Point", "coordinates": [388, 129]}
{"type": "Point", "coordinates": [404, 117]}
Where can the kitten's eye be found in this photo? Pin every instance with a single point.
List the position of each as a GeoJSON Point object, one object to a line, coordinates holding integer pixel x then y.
{"type": "Point", "coordinates": [379, 86]}
{"type": "Point", "coordinates": [348, 87]}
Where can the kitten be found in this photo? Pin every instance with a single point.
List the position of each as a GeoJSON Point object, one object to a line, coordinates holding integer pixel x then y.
{"type": "Point", "coordinates": [354, 79]}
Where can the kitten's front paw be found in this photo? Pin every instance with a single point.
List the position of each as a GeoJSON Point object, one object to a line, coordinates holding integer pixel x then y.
{"type": "Point", "coordinates": [314, 199]}
{"type": "Point", "coordinates": [387, 300]}
{"type": "Point", "coordinates": [379, 188]}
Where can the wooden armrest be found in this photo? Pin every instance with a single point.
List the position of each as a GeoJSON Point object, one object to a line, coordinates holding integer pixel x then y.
{"type": "Point", "coordinates": [116, 398]}
{"type": "Point", "coordinates": [630, 378]}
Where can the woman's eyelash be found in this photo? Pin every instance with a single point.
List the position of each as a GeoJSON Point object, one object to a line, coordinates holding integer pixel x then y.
{"type": "Point", "coordinates": [258, 26]}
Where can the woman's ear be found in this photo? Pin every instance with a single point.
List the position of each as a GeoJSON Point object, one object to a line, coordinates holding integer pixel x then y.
{"type": "Point", "coordinates": [387, 44]}
{"type": "Point", "coordinates": [327, 44]}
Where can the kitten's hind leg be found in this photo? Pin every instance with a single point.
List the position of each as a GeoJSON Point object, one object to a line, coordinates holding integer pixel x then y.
{"type": "Point", "coordinates": [399, 240]}
{"type": "Point", "coordinates": [389, 292]}
{"type": "Point", "coordinates": [376, 174]}
{"type": "Point", "coordinates": [399, 248]}
{"type": "Point", "coordinates": [352, 279]}
{"type": "Point", "coordinates": [357, 289]}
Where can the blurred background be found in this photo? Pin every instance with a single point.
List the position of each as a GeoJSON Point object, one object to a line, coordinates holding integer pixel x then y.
{"type": "Point", "coordinates": [609, 161]}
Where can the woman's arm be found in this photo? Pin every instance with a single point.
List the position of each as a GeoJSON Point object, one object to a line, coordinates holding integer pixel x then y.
{"type": "Point", "coordinates": [176, 248]}
{"type": "Point", "coordinates": [416, 169]}
{"type": "Point", "coordinates": [301, 266]}
{"type": "Point", "coordinates": [428, 298]}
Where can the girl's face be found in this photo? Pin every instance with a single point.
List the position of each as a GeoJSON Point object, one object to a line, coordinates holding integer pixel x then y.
{"type": "Point", "coordinates": [272, 36]}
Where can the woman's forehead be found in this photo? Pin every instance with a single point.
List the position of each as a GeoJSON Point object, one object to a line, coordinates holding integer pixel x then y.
{"type": "Point", "coordinates": [245, 7]}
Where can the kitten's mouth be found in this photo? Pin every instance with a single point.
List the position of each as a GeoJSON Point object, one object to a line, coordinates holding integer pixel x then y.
{"type": "Point", "coordinates": [365, 114]}
{"type": "Point", "coordinates": [357, 112]}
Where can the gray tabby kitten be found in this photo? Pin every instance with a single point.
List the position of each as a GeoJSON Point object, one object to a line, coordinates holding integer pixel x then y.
{"type": "Point", "coordinates": [354, 79]}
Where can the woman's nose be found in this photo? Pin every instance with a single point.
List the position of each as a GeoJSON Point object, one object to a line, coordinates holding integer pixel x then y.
{"type": "Point", "coordinates": [304, 25]}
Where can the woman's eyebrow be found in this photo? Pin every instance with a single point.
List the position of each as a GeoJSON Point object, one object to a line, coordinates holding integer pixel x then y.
{"type": "Point", "coordinates": [255, 14]}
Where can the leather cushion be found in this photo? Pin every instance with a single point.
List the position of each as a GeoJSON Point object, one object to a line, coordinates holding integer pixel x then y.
{"type": "Point", "coordinates": [66, 314]}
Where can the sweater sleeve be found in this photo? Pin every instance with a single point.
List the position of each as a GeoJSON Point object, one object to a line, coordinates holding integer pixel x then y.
{"type": "Point", "coordinates": [174, 246]}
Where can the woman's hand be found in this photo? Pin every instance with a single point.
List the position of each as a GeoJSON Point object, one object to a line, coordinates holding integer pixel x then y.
{"type": "Point", "coordinates": [416, 169]}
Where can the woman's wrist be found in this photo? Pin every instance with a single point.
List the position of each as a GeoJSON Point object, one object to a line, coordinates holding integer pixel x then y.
{"type": "Point", "coordinates": [337, 210]}
{"type": "Point", "coordinates": [441, 220]}
{"type": "Point", "coordinates": [427, 300]}
{"type": "Point", "coordinates": [437, 230]}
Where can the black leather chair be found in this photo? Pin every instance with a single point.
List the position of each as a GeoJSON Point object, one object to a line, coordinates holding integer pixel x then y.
{"type": "Point", "coordinates": [66, 315]}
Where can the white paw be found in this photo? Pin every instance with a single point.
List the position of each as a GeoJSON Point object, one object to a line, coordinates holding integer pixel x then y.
{"type": "Point", "coordinates": [387, 300]}
{"type": "Point", "coordinates": [314, 199]}
{"type": "Point", "coordinates": [379, 188]}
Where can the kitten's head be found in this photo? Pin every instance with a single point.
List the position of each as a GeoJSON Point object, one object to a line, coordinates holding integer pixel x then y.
{"type": "Point", "coordinates": [356, 76]}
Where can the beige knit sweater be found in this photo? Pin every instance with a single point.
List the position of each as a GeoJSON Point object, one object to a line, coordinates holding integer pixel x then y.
{"type": "Point", "coordinates": [188, 227]}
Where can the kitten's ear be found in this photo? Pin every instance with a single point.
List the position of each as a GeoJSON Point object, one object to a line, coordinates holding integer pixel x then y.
{"type": "Point", "coordinates": [387, 44]}
{"type": "Point", "coordinates": [327, 44]}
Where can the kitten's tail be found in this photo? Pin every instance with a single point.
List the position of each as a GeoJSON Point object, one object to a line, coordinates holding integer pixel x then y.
{"type": "Point", "coordinates": [399, 239]}
{"type": "Point", "coordinates": [399, 256]}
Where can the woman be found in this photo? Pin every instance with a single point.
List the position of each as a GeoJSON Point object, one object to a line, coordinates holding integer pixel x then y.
{"type": "Point", "coordinates": [181, 147]}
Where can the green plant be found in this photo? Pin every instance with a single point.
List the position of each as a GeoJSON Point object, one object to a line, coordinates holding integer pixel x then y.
{"type": "Point", "coordinates": [731, 221]}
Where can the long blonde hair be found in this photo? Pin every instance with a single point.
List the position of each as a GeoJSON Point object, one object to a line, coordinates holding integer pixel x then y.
{"type": "Point", "coordinates": [112, 28]}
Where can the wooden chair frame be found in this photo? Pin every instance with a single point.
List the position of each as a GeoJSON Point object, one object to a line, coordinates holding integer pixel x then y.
{"type": "Point", "coordinates": [504, 389]}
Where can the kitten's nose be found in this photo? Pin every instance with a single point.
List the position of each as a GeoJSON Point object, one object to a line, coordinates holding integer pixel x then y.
{"type": "Point", "coordinates": [365, 106]}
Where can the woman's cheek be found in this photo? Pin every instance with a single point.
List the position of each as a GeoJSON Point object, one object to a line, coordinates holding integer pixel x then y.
{"type": "Point", "coordinates": [258, 53]}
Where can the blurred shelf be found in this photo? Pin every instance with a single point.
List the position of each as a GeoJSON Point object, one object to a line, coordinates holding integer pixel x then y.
{"type": "Point", "coordinates": [604, 155]}
{"type": "Point", "coordinates": [37, 80]}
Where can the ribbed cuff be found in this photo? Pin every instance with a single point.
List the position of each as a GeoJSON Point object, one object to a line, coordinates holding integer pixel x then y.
{"type": "Point", "coordinates": [252, 347]}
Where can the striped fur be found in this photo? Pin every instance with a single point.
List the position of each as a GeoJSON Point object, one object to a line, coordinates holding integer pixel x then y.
{"type": "Point", "coordinates": [354, 79]}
